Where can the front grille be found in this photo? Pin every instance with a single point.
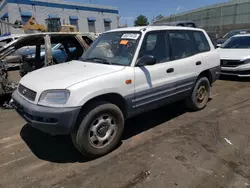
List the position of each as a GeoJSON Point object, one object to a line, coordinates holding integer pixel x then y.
{"type": "Point", "coordinates": [27, 93]}
{"type": "Point", "coordinates": [231, 63]}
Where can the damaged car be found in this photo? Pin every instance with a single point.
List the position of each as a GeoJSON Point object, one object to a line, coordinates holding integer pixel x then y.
{"type": "Point", "coordinates": [28, 52]}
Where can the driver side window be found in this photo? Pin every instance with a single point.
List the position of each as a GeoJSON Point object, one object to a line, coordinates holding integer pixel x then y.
{"type": "Point", "coordinates": [155, 44]}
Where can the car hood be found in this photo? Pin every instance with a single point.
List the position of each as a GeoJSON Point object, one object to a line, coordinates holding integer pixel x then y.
{"type": "Point", "coordinates": [64, 75]}
{"type": "Point", "coordinates": [234, 54]}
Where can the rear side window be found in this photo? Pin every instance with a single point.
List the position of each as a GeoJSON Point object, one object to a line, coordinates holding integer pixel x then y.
{"type": "Point", "coordinates": [201, 41]}
{"type": "Point", "coordinates": [182, 44]}
{"type": "Point", "coordinates": [87, 40]}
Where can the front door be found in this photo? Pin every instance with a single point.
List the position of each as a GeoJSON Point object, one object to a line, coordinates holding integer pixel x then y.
{"type": "Point", "coordinates": [154, 83]}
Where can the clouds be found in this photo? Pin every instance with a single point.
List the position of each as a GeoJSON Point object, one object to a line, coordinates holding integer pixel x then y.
{"type": "Point", "coordinates": [178, 8]}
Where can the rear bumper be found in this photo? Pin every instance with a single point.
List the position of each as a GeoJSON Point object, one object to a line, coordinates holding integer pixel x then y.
{"type": "Point", "coordinates": [54, 121]}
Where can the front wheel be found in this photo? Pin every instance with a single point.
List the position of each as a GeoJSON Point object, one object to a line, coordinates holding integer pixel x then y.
{"type": "Point", "coordinates": [200, 94]}
{"type": "Point", "coordinates": [100, 130]}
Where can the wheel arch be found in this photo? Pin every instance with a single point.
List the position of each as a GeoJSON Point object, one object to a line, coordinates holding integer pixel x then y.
{"type": "Point", "coordinates": [207, 74]}
{"type": "Point", "coordinates": [113, 98]}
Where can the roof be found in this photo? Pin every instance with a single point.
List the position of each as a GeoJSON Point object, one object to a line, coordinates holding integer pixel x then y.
{"type": "Point", "coordinates": [154, 28]}
{"type": "Point", "coordinates": [242, 35]}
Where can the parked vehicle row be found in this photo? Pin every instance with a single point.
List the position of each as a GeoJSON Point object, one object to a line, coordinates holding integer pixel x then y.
{"type": "Point", "coordinates": [29, 50]}
{"type": "Point", "coordinates": [125, 72]}
{"type": "Point", "coordinates": [235, 56]}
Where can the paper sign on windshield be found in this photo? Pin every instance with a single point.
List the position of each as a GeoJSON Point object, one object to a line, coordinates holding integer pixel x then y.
{"type": "Point", "coordinates": [124, 42]}
{"type": "Point", "coordinates": [133, 36]}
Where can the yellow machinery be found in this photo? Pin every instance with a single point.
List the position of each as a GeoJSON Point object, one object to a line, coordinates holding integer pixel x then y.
{"type": "Point", "coordinates": [32, 26]}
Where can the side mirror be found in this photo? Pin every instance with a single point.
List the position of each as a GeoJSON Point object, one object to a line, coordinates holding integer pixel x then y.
{"type": "Point", "coordinates": [146, 60]}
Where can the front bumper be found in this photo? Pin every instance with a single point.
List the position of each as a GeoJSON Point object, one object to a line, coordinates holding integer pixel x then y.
{"type": "Point", "coordinates": [235, 71]}
{"type": "Point", "coordinates": [54, 121]}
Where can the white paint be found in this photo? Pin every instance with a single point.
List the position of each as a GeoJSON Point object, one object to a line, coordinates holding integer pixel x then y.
{"type": "Point", "coordinates": [130, 36]}
{"type": "Point", "coordinates": [228, 141]}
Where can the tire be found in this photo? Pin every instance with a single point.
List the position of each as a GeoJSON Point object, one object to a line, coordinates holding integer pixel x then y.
{"type": "Point", "coordinates": [97, 122]}
{"type": "Point", "coordinates": [198, 101]}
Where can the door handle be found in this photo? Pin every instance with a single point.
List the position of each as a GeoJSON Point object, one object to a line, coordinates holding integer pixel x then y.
{"type": "Point", "coordinates": [170, 70]}
{"type": "Point", "coordinates": [198, 63]}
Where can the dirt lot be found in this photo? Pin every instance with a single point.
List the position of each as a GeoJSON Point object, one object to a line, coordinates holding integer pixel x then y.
{"type": "Point", "coordinates": [168, 147]}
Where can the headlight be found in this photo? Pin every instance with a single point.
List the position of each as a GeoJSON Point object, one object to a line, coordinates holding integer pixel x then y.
{"type": "Point", "coordinates": [54, 97]}
{"type": "Point", "coordinates": [246, 61]}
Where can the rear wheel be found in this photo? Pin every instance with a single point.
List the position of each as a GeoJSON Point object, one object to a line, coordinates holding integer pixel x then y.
{"type": "Point", "coordinates": [200, 94]}
{"type": "Point", "coordinates": [100, 130]}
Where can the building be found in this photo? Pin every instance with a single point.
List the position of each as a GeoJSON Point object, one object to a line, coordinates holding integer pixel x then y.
{"type": "Point", "coordinates": [219, 18]}
{"type": "Point", "coordinates": [86, 17]}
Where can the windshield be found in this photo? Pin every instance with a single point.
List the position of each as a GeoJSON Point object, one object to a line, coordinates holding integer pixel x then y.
{"type": "Point", "coordinates": [232, 33]}
{"type": "Point", "coordinates": [113, 48]}
{"type": "Point", "coordinates": [237, 42]}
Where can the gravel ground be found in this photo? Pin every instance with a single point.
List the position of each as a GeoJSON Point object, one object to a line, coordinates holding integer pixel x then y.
{"type": "Point", "coordinates": [167, 147]}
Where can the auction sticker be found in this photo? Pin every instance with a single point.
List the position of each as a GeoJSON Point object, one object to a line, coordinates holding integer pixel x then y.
{"type": "Point", "coordinates": [124, 42]}
{"type": "Point", "coordinates": [133, 36]}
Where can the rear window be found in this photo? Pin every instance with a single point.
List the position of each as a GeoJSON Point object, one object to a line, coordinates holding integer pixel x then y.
{"type": "Point", "coordinates": [201, 41]}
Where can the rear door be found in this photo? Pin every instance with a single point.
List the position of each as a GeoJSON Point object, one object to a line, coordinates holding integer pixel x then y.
{"type": "Point", "coordinates": [203, 50]}
{"type": "Point", "coordinates": [185, 61]}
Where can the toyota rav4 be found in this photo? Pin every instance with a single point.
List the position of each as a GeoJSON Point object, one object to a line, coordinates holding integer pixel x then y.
{"type": "Point", "coordinates": [125, 72]}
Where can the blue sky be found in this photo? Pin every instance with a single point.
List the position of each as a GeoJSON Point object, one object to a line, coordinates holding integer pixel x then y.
{"type": "Point", "coordinates": [129, 9]}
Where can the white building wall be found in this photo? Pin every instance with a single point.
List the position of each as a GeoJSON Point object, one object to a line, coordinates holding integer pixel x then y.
{"type": "Point", "coordinates": [42, 12]}
{"type": "Point", "coordinates": [3, 27]}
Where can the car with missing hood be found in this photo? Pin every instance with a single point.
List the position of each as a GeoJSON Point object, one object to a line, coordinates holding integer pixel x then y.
{"type": "Point", "coordinates": [29, 50]}
{"type": "Point", "coordinates": [125, 72]}
{"type": "Point", "coordinates": [235, 56]}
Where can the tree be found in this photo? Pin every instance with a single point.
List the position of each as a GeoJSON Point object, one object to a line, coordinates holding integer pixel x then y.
{"type": "Point", "coordinates": [141, 21]}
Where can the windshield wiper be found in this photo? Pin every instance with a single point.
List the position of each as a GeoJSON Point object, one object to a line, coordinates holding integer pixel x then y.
{"type": "Point", "coordinates": [98, 60]}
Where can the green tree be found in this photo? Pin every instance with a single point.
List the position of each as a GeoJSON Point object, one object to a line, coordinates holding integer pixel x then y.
{"type": "Point", "coordinates": [141, 20]}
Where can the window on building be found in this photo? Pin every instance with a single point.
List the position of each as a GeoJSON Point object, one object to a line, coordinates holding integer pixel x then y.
{"type": "Point", "coordinates": [107, 24]}
{"type": "Point", "coordinates": [91, 24]}
{"type": "Point", "coordinates": [25, 19]}
{"type": "Point", "coordinates": [53, 24]}
{"type": "Point", "coordinates": [182, 44]}
{"type": "Point", "coordinates": [73, 20]}
{"type": "Point", "coordinates": [201, 41]}
{"type": "Point", "coordinates": [155, 44]}
{"type": "Point", "coordinates": [26, 16]}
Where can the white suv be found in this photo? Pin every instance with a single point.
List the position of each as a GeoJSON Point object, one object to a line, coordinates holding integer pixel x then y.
{"type": "Point", "coordinates": [125, 72]}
